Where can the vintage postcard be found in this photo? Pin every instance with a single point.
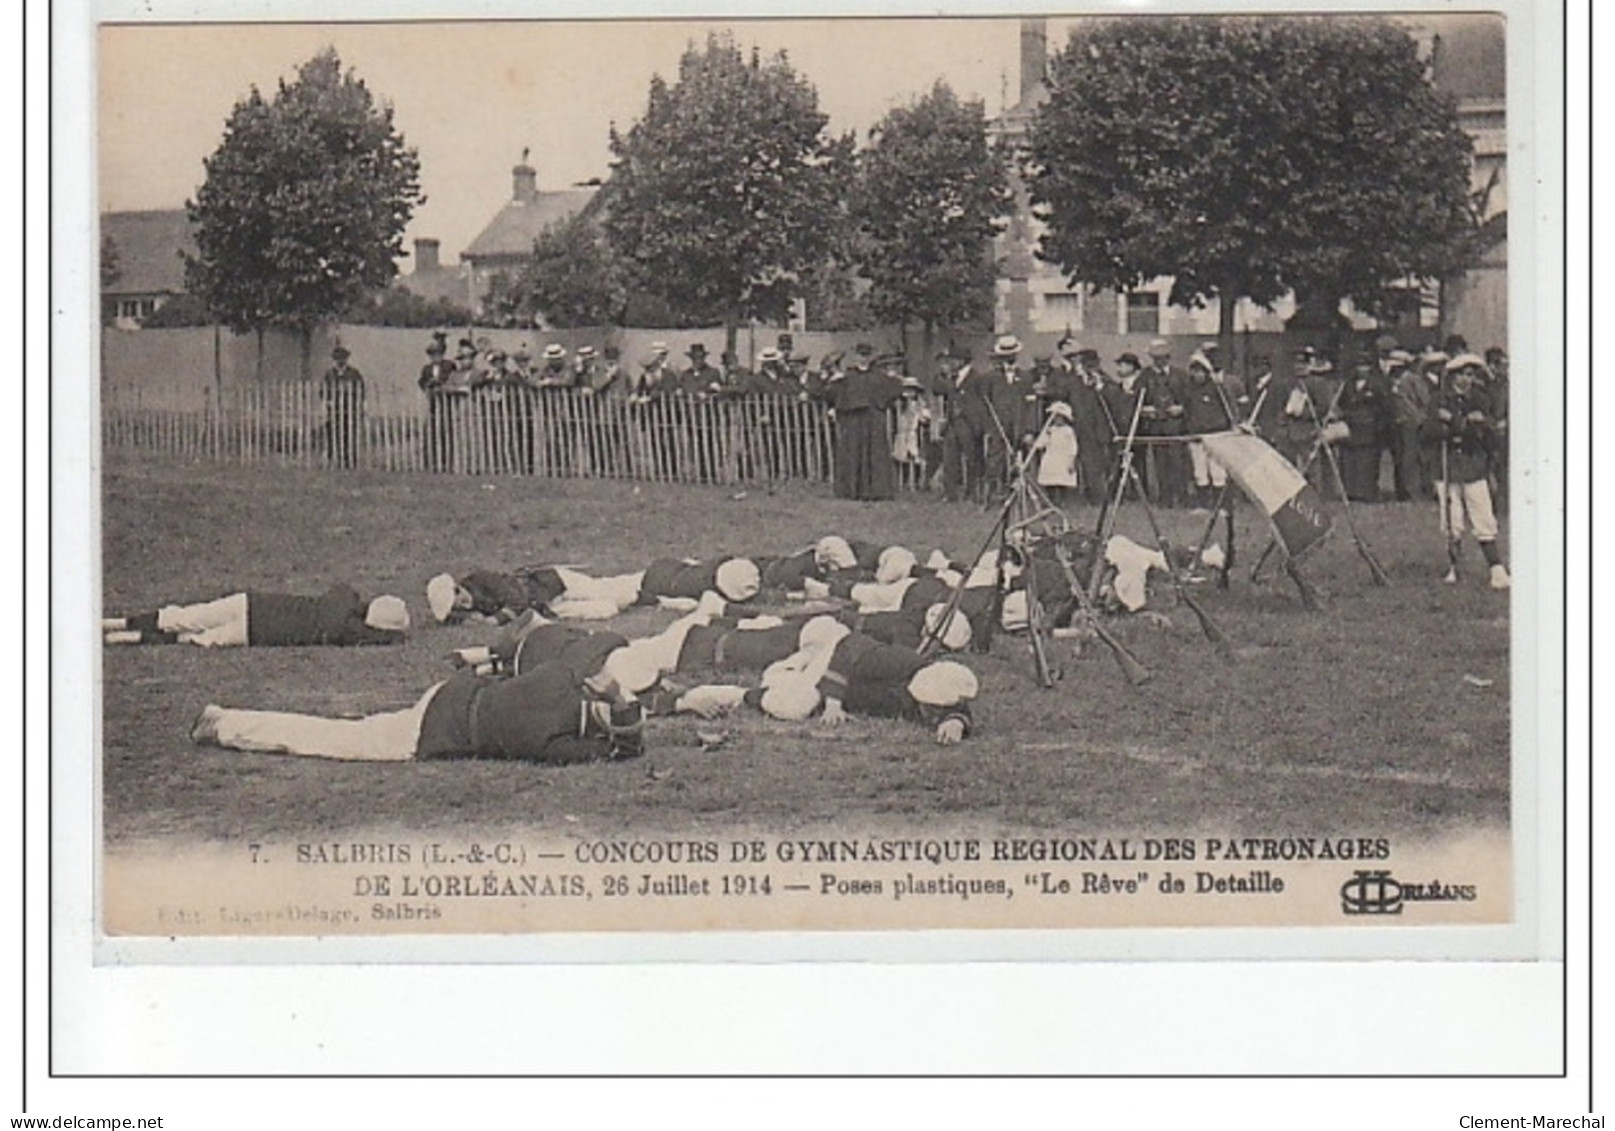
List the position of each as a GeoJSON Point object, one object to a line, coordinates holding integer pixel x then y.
{"type": "Point", "coordinates": [1048, 479]}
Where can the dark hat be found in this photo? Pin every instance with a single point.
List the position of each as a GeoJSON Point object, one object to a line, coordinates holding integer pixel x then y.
{"type": "Point", "coordinates": [341, 353]}
{"type": "Point", "coordinates": [696, 348]}
{"type": "Point", "coordinates": [1129, 358]}
{"type": "Point", "coordinates": [440, 335]}
{"type": "Point", "coordinates": [864, 349]}
{"type": "Point", "coordinates": [1087, 353]}
{"type": "Point", "coordinates": [1385, 343]}
{"type": "Point", "coordinates": [785, 342]}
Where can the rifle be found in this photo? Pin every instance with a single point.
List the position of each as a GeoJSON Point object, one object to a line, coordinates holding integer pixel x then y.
{"type": "Point", "coordinates": [1137, 674]}
{"type": "Point", "coordinates": [1446, 517]}
{"type": "Point", "coordinates": [1112, 507]}
{"type": "Point", "coordinates": [1375, 570]}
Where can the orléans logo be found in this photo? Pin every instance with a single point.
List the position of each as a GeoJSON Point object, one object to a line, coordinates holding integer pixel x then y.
{"type": "Point", "coordinates": [1371, 893]}
{"type": "Point", "coordinates": [1375, 892]}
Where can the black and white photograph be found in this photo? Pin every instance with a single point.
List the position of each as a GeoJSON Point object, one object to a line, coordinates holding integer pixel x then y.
{"type": "Point", "coordinates": [808, 475]}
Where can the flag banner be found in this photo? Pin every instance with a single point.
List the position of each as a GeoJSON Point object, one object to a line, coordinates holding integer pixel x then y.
{"type": "Point", "coordinates": [1272, 483]}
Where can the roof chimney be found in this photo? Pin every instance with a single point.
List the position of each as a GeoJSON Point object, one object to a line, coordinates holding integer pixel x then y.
{"type": "Point", "coordinates": [1034, 57]}
{"type": "Point", "coordinates": [524, 181]}
{"type": "Point", "coordinates": [426, 256]}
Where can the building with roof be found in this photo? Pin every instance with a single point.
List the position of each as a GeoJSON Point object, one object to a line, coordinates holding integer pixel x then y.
{"type": "Point", "coordinates": [1036, 302]}
{"type": "Point", "coordinates": [144, 269]}
{"type": "Point", "coordinates": [429, 278]}
{"type": "Point", "coordinates": [501, 248]}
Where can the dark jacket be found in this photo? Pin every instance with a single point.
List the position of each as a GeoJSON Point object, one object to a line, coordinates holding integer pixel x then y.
{"type": "Point", "coordinates": [336, 617]}
{"type": "Point", "coordinates": [539, 716]}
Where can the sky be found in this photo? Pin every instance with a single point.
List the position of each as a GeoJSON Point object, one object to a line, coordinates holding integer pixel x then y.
{"type": "Point", "coordinates": [471, 96]}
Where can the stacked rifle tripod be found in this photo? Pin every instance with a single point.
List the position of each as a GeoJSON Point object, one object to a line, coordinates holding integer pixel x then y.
{"type": "Point", "coordinates": [1028, 521]}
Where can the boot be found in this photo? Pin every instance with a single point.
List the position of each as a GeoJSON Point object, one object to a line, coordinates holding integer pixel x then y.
{"type": "Point", "coordinates": [1499, 576]}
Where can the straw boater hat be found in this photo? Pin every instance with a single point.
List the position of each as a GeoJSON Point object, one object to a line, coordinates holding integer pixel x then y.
{"type": "Point", "coordinates": [1060, 409]}
{"type": "Point", "coordinates": [658, 347]}
{"type": "Point", "coordinates": [1007, 346]}
{"type": "Point", "coordinates": [585, 352]}
{"type": "Point", "coordinates": [555, 351]}
{"type": "Point", "coordinates": [389, 613]}
{"type": "Point", "coordinates": [1160, 348]}
{"type": "Point", "coordinates": [768, 355]}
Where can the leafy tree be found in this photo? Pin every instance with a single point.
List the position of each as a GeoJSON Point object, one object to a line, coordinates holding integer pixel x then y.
{"type": "Point", "coordinates": [930, 197]}
{"type": "Point", "coordinates": [180, 310]}
{"type": "Point", "coordinates": [399, 306]}
{"type": "Point", "coordinates": [725, 190]}
{"type": "Point", "coordinates": [111, 262]}
{"type": "Point", "coordinates": [572, 279]}
{"type": "Point", "coordinates": [1249, 157]}
{"type": "Point", "coordinates": [304, 204]}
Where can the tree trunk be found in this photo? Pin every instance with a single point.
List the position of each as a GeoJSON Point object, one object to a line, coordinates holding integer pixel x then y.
{"type": "Point", "coordinates": [258, 370]}
{"type": "Point", "coordinates": [927, 338]}
{"type": "Point", "coordinates": [731, 333]}
{"type": "Point", "coordinates": [305, 353]}
{"type": "Point", "coordinates": [1227, 304]}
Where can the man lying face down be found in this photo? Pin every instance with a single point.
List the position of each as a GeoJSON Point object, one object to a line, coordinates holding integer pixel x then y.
{"type": "Point", "coordinates": [850, 673]}
{"type": "Point", "coordinates": [570, 594]}
{"type": "Point", "coordinates": [586, 701]}
{"type": "Point", "coordinates": [337, 617]}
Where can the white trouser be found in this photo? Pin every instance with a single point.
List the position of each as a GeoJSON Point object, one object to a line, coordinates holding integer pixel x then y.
{"type": "Point", "coordinates": [663, 649]}
{"type": "Point", "coordinates": [211, 624]}
{"type": "Point", "coordinates": [880, 597]}
{"type": "Point", "coordinates": [1475, 499]}
{"type": "Point", "coordinates": [1207, 471]}
{"type": "Point", "coordinates": [388, 737]}
{"type": "Point", "coordinates": [595, 598]}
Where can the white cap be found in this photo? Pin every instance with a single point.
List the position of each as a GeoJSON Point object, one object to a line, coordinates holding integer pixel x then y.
{"type": "Point", "coordinates": [822, 632]}
{"type": "Point", "coordinates": [791, 696]}
{"type": "Point", "coordinates": [440, 593]}
{"type": "Point", "coordinates": [738, 580]}
{"type": "Point", "coordinates": [943, 684]}
{"type": "Point", "coordinates": [631, 669]}
{"type": "Point", "coordinates": [957, 635]}
{"type": "Point", "coordinates": [896, 563]}
{"type": "Point", "coordinates": [834, 550]}
{"type": "Point", "coordinates": [389, 613]}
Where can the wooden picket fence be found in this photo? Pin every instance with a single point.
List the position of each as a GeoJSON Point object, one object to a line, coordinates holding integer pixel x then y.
{"type": "Point", "coordinates": [553, 433]}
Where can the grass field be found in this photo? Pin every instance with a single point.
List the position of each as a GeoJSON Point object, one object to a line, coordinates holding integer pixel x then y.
{"type": "Point", "coordinates": [1355, 720]}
